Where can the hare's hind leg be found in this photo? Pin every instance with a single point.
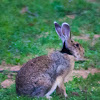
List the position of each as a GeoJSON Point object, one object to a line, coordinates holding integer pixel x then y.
{"type": "Point", "coordinates": [61, 89]}
{"type": "Point", "coordinates": [58, 81]}
{"type": "Point", "coordinates": [39, 91]}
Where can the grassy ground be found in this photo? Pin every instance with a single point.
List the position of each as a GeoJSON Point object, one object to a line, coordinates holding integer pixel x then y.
{"type": "Point", "coordinates": [24, 36]}
{"type": "Point", "coordinates": [78, 89]}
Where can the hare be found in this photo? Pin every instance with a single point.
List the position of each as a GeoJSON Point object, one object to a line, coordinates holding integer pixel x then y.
{"type": "Point", "coordinates": [42, 75]}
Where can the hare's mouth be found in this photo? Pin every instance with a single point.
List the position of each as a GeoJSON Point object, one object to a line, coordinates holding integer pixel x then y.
{"type": "Point", "coordinates": [80, 59]}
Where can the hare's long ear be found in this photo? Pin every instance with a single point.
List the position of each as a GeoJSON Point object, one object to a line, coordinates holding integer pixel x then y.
{"type": "Point", "coordinates": [58, 30]}
{"type": "Point", "coordinates": [65, 29]}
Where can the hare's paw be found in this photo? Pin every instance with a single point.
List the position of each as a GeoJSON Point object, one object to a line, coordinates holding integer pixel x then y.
{"type": "Point", "coordinates": [65, 95]}
{"type": "Point", "coordinates": [48, 97]}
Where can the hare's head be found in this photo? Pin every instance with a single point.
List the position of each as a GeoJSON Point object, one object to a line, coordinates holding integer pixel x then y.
{"type": "Point", "coordinates": [69, 46]}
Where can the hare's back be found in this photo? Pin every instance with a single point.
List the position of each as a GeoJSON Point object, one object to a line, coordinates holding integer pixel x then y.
{"type": "Point", "coordinates": [36, 66]}
{"type": "Point", "coordinates": [34, 70]}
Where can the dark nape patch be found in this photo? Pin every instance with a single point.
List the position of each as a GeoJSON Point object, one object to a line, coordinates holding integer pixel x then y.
{"type": "Point", "coordinates": [65, 50]}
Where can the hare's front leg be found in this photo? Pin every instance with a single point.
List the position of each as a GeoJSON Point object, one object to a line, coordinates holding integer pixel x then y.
{"type": "Point", "coordinates": [54, 86]}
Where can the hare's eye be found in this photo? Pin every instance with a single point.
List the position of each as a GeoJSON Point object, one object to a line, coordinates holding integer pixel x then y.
{"type": "Point", "coordinates": [77, 45]}
{"type": "Point", "coordinates": [71, 41]}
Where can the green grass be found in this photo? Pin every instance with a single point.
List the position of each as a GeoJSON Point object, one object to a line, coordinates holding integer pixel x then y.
{"type": "Point", "coordinates": [23, 37]}
{"type": "Point", "coordinates": [78, 89]}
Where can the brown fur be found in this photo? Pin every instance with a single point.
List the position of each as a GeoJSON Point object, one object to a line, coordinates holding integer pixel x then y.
{"type": "Point", "coordinates": [40, 71]}
{"type": "Point", "coordinates": [42, 75]}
